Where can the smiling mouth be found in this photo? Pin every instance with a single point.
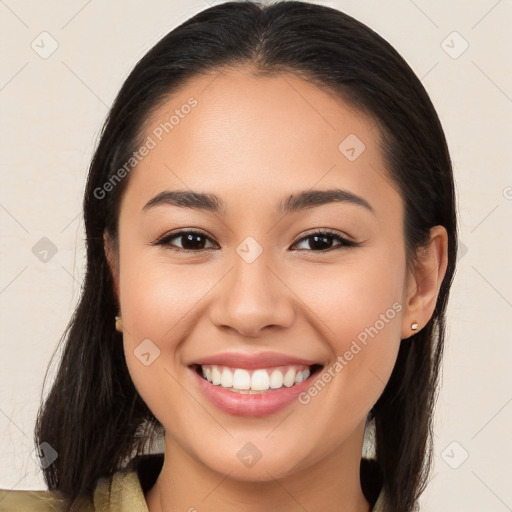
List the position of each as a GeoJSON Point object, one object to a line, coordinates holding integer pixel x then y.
{"type": "Point", "coordinates": [255, 381]}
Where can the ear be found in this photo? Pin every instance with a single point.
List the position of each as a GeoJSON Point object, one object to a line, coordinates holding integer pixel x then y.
{"type": "Point", "coordinates": [424, 282]}
{"type": "Point", "coordinates": [112, 259]}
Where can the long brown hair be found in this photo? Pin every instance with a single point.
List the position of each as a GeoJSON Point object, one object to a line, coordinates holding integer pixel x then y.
{"type": "Point", "coordinates": [93, 416]}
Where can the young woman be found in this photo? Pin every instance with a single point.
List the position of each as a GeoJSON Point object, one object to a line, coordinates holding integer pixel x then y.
{"type": "Point", "coordinates": [271, 240]}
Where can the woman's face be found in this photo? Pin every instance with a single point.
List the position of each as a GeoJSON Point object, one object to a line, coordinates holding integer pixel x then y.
{"type": "Point", "coordinates": [255, 279]}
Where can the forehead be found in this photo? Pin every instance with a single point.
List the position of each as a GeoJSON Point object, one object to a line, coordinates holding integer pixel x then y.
{"type": "Point", "coordinates": [256, 137]}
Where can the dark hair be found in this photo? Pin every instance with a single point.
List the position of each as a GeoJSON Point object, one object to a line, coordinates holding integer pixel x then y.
{"type": "Point", "coordinates": [93, 416]}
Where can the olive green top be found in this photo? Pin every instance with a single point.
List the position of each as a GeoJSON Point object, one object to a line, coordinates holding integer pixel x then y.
{"type": "Point", "coordinates": [121, 492]}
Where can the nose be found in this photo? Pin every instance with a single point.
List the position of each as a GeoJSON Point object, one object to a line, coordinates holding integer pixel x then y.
{"type": "Point", "coordinates": [252, 298]}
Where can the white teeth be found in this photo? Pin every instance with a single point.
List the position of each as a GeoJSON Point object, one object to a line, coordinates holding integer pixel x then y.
{"type": "Point", "coordinates": [301, 376]}
{"type": "Point", "coordinates": [241, 379]}
{"type": "Point", "coordinates": [226, 379]}
{"type": "Point", "coordinates": [289, 378]}
{"type": "Point", "coordinates": [260, 380]}
{"type": "Point", "coordinates": [276, 379]}
{"type": "Point", "coordinates": [215, 376]}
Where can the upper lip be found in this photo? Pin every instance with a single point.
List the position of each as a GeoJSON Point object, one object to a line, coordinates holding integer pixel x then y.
{"type": "Point", "coordinates": [253, 361]}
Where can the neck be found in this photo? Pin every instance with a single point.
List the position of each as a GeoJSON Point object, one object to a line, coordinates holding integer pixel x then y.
{"type": "Point", "coordinates": [332, 484]}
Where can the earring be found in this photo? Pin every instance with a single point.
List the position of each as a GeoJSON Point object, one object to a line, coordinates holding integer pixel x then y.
{"type": "Point", "coordinates": [119, 324]}
{"type": "Point", "coordinates": [414, 326]}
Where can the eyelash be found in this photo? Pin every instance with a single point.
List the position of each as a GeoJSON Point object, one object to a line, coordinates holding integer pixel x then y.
{"type": "Point", "coordinates": [344, 242]}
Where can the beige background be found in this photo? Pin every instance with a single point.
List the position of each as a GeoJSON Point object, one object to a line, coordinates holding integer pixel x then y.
{"type": "Point", "coordinates": [52, 111]}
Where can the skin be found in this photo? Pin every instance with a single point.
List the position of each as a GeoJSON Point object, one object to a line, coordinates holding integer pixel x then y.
{"type": "Point", "coordinates": [254, 142]}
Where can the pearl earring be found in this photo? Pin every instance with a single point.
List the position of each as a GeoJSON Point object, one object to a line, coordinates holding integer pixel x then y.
{"type": "Point", "coordinates": [414, 326]}
{"type": "Point", "coordinates": [119, 324]}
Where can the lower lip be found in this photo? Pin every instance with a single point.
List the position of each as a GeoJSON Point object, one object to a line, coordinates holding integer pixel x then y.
{"type": "Point", "coordinates": [260, 404]}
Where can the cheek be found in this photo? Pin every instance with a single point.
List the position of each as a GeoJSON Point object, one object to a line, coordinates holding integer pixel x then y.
{"type": "Point", "coordinates": [357, 308]}
{"type": "Point", "coordinates": [160, 303]}
{"type": "Point", "coordinates": [157, 300]}
{"type": "Point", "coordinates": [353, 295]}
{"type": "Point", "coordinates": [156, 297]}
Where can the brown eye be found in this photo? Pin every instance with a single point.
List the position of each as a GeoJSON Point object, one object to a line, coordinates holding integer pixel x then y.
{"type": "Point", "coordinates": [320, 241]}
{"type": "Point", "coordinates": [191, 241]}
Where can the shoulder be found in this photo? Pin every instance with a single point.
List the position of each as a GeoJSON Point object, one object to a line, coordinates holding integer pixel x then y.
{"type": "Point", "coordinates": [33, 501]}
{"type": "Point", "coordinates": [124, 488]}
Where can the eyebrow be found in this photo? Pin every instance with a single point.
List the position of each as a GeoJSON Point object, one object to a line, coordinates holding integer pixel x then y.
{"type": "Point", "coordinates": [295, 202]}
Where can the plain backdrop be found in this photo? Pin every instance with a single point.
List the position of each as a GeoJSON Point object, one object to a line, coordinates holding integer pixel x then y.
{"type": "Point", "coordinates": [62, 65]}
